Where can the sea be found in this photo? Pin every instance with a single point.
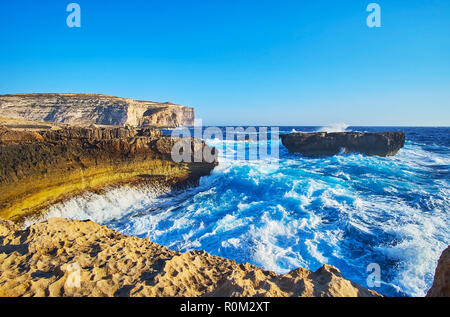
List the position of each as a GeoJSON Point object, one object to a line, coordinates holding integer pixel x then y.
{"type": "Point", "coordinates": [287, 211]}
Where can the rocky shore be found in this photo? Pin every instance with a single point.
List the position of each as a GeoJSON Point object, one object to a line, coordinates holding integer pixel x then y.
{"type": "Point", "coordinates": [63, 257]}
{"type": "Point", "coordinates": [42, 164]}
{"type": "Point", "coordinates": [328, 144]}
{"type": "Point", "coordinates": [441, 283]}
{"type": "Point", "coordinates": [86, 109]}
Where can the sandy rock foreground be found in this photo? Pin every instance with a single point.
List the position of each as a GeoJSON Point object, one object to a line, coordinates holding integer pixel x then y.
{"type": "Point", "coordinates": [63, 257]}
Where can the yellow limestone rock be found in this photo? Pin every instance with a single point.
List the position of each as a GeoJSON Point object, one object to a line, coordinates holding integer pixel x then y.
{"type": "Point", "coordinates": [63, 257]}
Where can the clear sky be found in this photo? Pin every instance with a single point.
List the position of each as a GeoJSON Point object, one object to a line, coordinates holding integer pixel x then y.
{"type": "Point", "coordinates": [240, 62]}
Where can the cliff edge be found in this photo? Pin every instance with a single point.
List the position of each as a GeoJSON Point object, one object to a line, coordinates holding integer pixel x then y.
{"type": "Point", "coordinates": [86, 109]}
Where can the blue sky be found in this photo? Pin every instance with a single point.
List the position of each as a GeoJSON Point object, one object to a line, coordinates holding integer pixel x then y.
{"type": "Point", "coordinates": [240, 62]}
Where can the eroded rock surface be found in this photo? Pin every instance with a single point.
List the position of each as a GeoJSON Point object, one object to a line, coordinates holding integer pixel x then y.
{"type": "Point", "coordinates": [73, 258]}
{"type": "Point", "coordinates": [441, 283]}
{"type": "Point", "coordinates": [89, 109]}
{"type": "Point", "coordinates": [39, 167]}
{"type": "Point", "coordinates": [328, 144]}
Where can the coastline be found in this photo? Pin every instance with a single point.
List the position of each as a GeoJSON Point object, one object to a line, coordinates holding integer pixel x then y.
{"type": "Point", "coordinates": [63, 257]}
{"type": "Point", "coordinates": [145, 161]}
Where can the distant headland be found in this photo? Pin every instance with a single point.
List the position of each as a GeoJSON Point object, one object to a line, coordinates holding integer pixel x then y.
{"type": "Point", "coordinates": [99, 109]}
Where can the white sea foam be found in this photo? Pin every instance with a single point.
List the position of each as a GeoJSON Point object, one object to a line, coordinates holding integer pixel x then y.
{"type": "Point", "coordinates": [313, 251]}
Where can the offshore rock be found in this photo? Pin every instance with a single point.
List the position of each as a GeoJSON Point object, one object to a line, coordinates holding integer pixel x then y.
{"type": "Point", "coordinates": [62, 257]}
{"type": "Point", "coordinates": [328, 144]}
{"type": "Point", "coordinates": [86, 109]}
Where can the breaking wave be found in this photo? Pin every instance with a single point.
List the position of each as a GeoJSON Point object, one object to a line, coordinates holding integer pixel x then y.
{"type": "Point", "coordinates": [336, 127]}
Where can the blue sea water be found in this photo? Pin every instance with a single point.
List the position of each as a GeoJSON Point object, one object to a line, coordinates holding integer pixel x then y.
{"type": "Point", "coordinates": [349, 210]}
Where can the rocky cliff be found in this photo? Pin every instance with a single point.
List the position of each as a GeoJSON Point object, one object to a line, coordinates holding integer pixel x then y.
{"type": "Point", "coordinates": [42, 164]}
{"type": "Point", "coordinates": [73, 258]}
{"type": "Point", "coordinates": [326, 144]}
{"type": "Point", "coordinates": [441, 283]}
{"type": "Point", "coordinates": [86, 109]}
